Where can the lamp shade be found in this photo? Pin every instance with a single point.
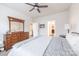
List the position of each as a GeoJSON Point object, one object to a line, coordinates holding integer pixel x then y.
{"type": "Point", "coordinates": [67, 26]}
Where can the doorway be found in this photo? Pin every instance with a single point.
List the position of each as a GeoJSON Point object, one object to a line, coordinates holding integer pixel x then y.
{"type": "Point", "coordinates": [51, 28]}
{"type": "Point", "coordinates": [31, 30]}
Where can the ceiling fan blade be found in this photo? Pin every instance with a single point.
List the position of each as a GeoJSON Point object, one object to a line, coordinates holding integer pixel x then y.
{"type": "Point", "coordinates": [43, 6]}
{"type": "Point", "coordinates": [29, 4]}
{"type": "Point", "coordinates": [31, 9]}
{"type": "Point", "coordinates": [38, 10]}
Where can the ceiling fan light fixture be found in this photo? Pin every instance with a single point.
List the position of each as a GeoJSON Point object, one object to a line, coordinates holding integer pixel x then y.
{"type": "Point", "coordinates": [36, 6]}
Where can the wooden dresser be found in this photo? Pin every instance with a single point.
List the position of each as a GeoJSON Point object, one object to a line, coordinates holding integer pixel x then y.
{"type": "Point", "coordinates": [14, 37]}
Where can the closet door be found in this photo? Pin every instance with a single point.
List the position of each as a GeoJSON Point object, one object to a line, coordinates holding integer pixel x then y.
{"type": "Point", "coordinates": [35, 29]}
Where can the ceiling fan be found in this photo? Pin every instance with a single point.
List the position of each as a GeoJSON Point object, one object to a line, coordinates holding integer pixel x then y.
{"type": "Point", "coordinates": [36, 6]}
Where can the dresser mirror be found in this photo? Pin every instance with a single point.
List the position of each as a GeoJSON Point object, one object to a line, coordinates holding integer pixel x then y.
{"type": "Point", "coordinates": [15, 25]}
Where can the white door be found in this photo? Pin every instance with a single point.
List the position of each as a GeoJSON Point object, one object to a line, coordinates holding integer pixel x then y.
{"type": "Point", "coordinates": [35, 29]}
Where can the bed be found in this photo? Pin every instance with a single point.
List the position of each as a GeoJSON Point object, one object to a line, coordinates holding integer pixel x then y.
{"type": "Point", "coordinates": [73, 39]}
{"type": "Point", "coordinates": [43, 46]}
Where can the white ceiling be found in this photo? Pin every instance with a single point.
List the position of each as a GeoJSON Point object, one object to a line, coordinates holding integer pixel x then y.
{"type": "Point", "coordinates": [52, 8]}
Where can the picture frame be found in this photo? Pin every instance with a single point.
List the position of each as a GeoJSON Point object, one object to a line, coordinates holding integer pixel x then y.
{"type": "Point", "coordinates": [42, 26]}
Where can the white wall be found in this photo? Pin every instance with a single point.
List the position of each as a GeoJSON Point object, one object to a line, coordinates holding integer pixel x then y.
{"type": "Point", "coordinates": [61, 19]}
{"type": "Point", "coordinates": [4, 24]}
{"type": "Point", "coordinates": [74, 17]}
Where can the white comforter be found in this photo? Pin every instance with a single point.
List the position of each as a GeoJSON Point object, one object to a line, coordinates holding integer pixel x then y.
{"type": "Point", "coordinates": [73, 40]}
{"type": "Point", "coordinates": [35, 47]}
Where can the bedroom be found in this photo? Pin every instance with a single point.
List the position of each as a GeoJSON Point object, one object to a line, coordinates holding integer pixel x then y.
{"type": "Point", "coordinates": [34, 31]}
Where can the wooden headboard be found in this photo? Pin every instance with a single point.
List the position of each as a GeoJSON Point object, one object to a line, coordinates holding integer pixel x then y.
{"type": "Point", "coordinates": [14, 37]}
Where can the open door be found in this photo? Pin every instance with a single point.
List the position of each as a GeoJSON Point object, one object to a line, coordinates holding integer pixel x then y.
{"type": "Point", "coordinates": [51, 28]}
{"type": "Point", "coordinates": [31, 30]}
